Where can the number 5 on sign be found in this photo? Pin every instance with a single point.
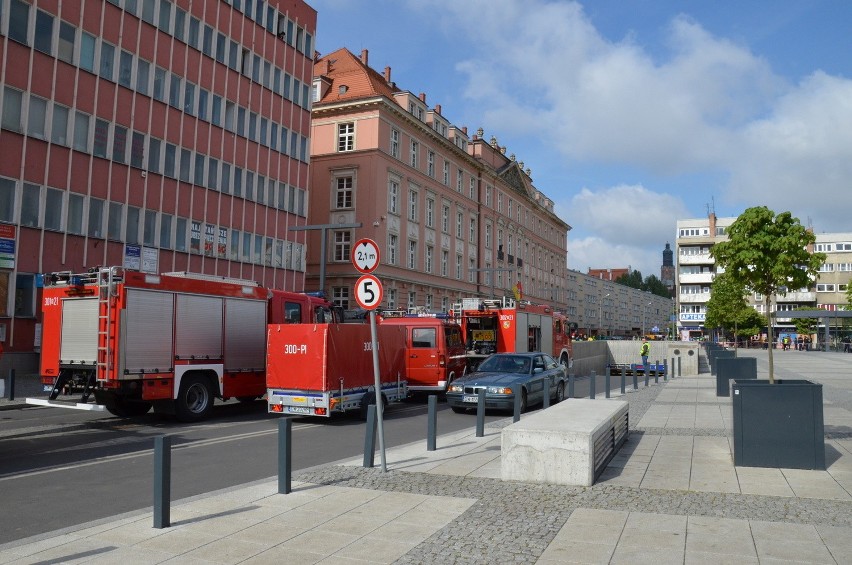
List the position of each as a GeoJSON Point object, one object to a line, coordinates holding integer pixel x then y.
{"type": "Point", "coordinates": [368, 292]}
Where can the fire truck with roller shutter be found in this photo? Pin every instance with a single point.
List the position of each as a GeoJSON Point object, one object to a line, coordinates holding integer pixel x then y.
{"type": "Point", "coordinates": [173, 341]}
{"type": "Point", "coordinates": [507, 326]}
{"type": "Point", "coordinates": [324, 369]}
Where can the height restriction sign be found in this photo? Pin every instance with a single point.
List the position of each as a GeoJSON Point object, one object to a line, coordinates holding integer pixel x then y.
{"type": "Point", "coordinates": [365, 255]}
{"type": "Point", "coordinates": [368, 292]}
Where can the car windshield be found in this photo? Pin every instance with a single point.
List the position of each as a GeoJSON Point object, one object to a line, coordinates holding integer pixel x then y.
{"type": "Point", "coordinates": [506, 364]}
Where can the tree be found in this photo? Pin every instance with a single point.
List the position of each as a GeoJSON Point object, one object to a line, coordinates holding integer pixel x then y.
{"type": "Point", "coordinates": [767, 253]}
{"type": "Point", "coordinates": [651, 283]}
{"type": "Point", "coordinates": [633, 279]}
{"type": "Point", "coordinates": [805, 326]}
{"type": "Point", "coordinates": [728, 309]}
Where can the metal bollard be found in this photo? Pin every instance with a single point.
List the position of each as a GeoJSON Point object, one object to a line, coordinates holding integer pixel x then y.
{"type": "Point", "coordinates": [647, 374]}
{"type": "Point", "coordinates": [666, 369]}
{"type": "Point", "coordinates": [592, 382]}
{"type": "Point", "coordinates": [162, 481]}
{"type": "Point", "coordinates": [480, 413]}
{"type": "Point", "coordinates": [11, 384]}
{"type": "Point", "coordinates": [606, 383]}
{"type": "Point", "coordinates": [623, 378]}
{"type": "Point", "coordinates": [370, 437]}
{"type": "Point", "coordinates": [285, 455]}
{"type": "Point", "coordinates": [432, 426]}
{"type": "Point", "coordinates": [571, 379]}
{"type": "Point", "coordinates": [516, 408]}
{"type": "Point", "coordinates": [546, 402]}
{"type": "Point", "coordinates": [657, 372]}
{"type": "Point", "coordinates": [635, 380]}
{"type": "Point", "coordinates": [678, 367]}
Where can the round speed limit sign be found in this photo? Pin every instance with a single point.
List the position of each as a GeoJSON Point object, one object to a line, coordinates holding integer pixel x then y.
{"type": "Point", "coordinates": [368, 292]}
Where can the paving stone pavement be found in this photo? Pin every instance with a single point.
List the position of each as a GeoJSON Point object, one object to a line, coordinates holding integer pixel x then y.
{"type": "Point", "coordinates": [671, 495]}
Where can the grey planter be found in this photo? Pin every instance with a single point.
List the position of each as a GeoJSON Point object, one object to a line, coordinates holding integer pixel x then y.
{"type": "Point", "coordinates": [778, 425]}
{"type": "Point", "coordinates": [730, 368]}
{"type": "Point", "coordinates": [720, 354]}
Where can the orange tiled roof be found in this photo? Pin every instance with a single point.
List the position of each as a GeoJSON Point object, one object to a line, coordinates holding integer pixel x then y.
{"type": "Point", "coordinates": [342, 68]}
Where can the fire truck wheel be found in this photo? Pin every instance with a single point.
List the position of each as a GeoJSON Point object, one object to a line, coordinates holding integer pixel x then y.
{"type": "Point", "coordinates": [195, 401]}
{"type": "Point", "coordinates": [124, 409]}
{"type": "Point", "coordinates": [565, 362]}
{"type": "Point", "coordinates": [560, 392]}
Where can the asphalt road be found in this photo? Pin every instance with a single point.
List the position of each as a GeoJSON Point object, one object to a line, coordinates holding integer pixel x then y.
{"type": "Point", "coordinates": [59, 468]}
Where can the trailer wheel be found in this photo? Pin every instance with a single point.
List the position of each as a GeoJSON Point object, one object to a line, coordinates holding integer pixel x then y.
{"type": "Point", "coordinates": [195, 400]}
{"type": "Point", "coordinates": [370, 398]}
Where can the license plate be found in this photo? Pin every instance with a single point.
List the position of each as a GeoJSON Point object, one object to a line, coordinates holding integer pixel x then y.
{"type": "Point", "coordinates": [299, 410]}
{"type": "Point", "coordinates": [471, 398]}
{"type": "Point", "coordinates": [48, 388]}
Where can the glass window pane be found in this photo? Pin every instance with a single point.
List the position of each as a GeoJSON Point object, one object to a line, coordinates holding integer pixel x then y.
{"type": "Point", "coordinates": [189, 99]}
{"type": "Point", "coordinates": [96, 217]}
{"type": "Point", "coordinates": [202, 103]}
{"type": "Point", "coordinates": [142, 69]}
{"type": "Point", "coordinates": [180, 234]}
{"type": "Point", "coordinates": [160, 84]}
{"type": "Point", "coordinates": [171, 160]}
{"type": "Point", "coordinates": [101, 138]}
{"type": "Point", "coordinates": [165, 231]}
{"type": "Point", "coordinates": [207, 42]}
{"type": "Point", "coordinates": [107, 60]}
{"type": "Point", "coordinates": [119, 144]}
{"type": "Point", "coordinates": [53, 209]}
{"type": "Point", "coordinates": [87, 52]}
{"type": "Point", "coordinates": [216, 111]}
{"type": "Point", "coordinates": [81, 131]}
{"type": "Point", "coordinates": [180, 23]}
{"type": "Point", "coordinates": [59, 128]}
{"type": "Point", "coordinates": [7, 200]}
{"type": "Point", "coordinates": [12, 100]}
{"type": "Point", "coordinates": [225, 184]}
{"type": "Point", "coordinates": [19, 15]}
{"type": "Point", "coordinates": [150, 228]}
{"type": "Point", "coordinates": [43, 40]}
{"type": "Point", "coordinates": [212, 173]}
{"type": "Point", "coordinates": [165, 16]}
{"type": "Point", "coordinates": [132, 231]}
{"type": "Point", "coordinates": [174, 91]}
{"type": "Point", "coordinates": [30, 200]}
{"type": "Point", "coordinates": [194, 26]}
{"type": "Point", "coordinates": [148, 10]}
{"type": "Point", "coordinates": [199, 169]}
{"type": "Point", "coordinates": [185, 164]}
{"type": "Point", "coordinates": [125, 67]}
{"type": "Point", "coordinates": [114, 222]}
{"type": "Point", "coordinates": [35, 121]}
{"type": "Point", "coordinates": [137, 150]}
{"type": "Point", "coordinates": [154, 155]}
{"type": "Point", "coordinates": [74, 219]}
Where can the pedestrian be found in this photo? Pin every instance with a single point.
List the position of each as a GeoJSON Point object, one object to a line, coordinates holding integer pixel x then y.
{"type": "Point", "coordinates": [643, 352]}
{"type": "Point", "coordinates": [846, 344]}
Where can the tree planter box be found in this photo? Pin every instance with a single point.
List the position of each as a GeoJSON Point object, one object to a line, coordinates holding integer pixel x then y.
{"type": "Point", "coordinates": [778, 425]}
{"type": "Point", "coordinates": [733, 368]}
{"type": "Point", "coordinates": [721, 354]}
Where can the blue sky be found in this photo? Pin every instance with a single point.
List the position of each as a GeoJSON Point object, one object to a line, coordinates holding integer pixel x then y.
{"type": "Point", "coordinates": [632, 114]}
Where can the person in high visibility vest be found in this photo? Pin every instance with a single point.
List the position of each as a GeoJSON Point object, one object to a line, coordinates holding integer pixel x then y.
{"type": "Point", "coordinates": [646, 348]}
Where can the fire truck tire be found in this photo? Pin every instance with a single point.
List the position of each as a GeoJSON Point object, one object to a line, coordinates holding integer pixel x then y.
{"type": "Point", "coordinates": [117, 406]}
{"type": "Point", "coordinates": [566, 362]}
{"type": "Point", "coordinates": [195, 400]}
{"type": "Point", "coordinates": [560, 392]}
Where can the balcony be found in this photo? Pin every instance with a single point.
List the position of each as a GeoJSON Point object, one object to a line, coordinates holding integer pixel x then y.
{"type": "Point", "coordinates": [694, 298]}
{"type": "Point", "coordinates": [797, 297]}
{"type": "Point", "coordinates": [696, 278]}
{"type": "Point", "coordinates": [702, 259]}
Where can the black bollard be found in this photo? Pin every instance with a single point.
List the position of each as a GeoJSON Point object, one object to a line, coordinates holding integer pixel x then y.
{"type": "Point", "coordinates": [370, 437]}
{"type": "Point", "coordinates": [657, 372]}
{"type": "Point", "coordinates": [666, 369]}
{"type": "Point", "coordinates": [592, 382]}
{"type": "Point", "coordinates": [678, 367]}
{"type": "Point", "coordinates": [606, 381]}
{"type": "Point", "coordinates": [635, 380]}
{"type": "Point", "coordinates": [647, 375]}
{"type": "Point", "coordinates": [623, 378]}
{"type": "Point", "coordinates": [162, 481]}
{"type": "Point", "coordinates": [546, 402]}
{"type": "Point", "coordinates": [480, 412]}
{"type": "Point", "coordinates": [11, 384]}
{"type": "Point", "coordinates": [432, 426]}
{"type": "Point", "coordinates": [285, 455]}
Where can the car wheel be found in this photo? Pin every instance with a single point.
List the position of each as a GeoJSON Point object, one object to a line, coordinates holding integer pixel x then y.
{"type": "Point", "coordinates": [560, 392]}
{"type": "Point", "coordinates": [459, 409]}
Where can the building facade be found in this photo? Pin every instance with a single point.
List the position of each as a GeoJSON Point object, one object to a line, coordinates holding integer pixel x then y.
{"type": "Point", "coordinates": [696, 270]}
{"type": "Point", "coordinates": [156, 135]}
{"type": "Point", "coordinates": [452, 214]}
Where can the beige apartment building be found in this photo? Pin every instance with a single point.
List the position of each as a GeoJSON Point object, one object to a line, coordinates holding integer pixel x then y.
{"type": "Point", "coordinates": [453, 215]}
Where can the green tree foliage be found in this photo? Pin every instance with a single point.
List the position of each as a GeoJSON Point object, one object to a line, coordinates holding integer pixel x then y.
{"type": "Point", "coordinates": [728, 308]}
{"type": "Point", "coordinates": [766, 253]}
{"type": "Point", "coordinates": [805, 326]}
{"type": "Point", "coordinates": [651, 283]}
{"type": "Point", "coordinates": [849, 295]}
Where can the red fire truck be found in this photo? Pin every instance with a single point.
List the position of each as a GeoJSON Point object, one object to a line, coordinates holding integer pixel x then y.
{"type": "Point", "coordinates": [323, 369]}
{"type": "Point", "coordinates": [506, 326]}
{"type": "Point", "coordinates": [173, 341]}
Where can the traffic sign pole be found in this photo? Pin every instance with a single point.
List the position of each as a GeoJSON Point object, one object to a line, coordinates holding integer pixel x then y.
{"type": "Point", "coordinates": [380, 409]}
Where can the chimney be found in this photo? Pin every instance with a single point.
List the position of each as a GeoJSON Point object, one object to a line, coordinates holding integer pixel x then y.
{"type": "Point", "coordinates": [438, 108]}
{"type": "Point", "coordinates": [464, 130]}
{"type": "Point", "coordinates": [423, 97]}
{"type": "Point", "coordinates": [712, 217]}
{"type": "Point", "coordinates": [365, 55]}
{"type": "Point", "coordinates": [387, 75]}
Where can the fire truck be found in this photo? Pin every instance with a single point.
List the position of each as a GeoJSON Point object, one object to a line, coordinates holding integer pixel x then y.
{"type": "Point", "coordinates": [174, 341]}
{"type": "Point", "coordinates": [325, 369]}
{"type": "Point", "coordinates": [506, 326]}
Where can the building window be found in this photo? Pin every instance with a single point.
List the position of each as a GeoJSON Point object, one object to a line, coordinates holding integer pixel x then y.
{"type": "Point", "coordinates": [394, 143]}
{"type": "Point", "coordinates": [412, 300]}
{"type": "Point", "coordinates": [30, 205]}
{"type": "Point", "coordinates": [114, 221]}
{"type": "Point", "coordinates": [445, 259]}
{"type": "Point", "coordinates": [430, 212]}
{"type": "Point", "coordinates": [488, 236]}
{"type": "Point", "coordinates": [36, 118]}
{"type": "Point", "coordinates": [472, 191]}
{"type": "Point", "coordinates": [430, 163]}
{"type": "Point", "coordinates": [447, 173]}
{"type": "Point", "coordinates": [445, 218]}
{"type": "Point", "coordinates": [12, 100]}
{"type": "Point", "coordinates": [471, 271]}
{"type": "Point", "coordinates": [415, 149]}
{"type": "Point", "coordinates": [43, 40]}
{"type": "Point", "coordinates": [393, 245]}
{"type": "Point", "coordinates": [393, 196]}
{"type": "Point", "coordinates": [472, 230]}
{"type": "Point", "coordinates": [59, 127]}
{"type": "Point", "coordinates": [459, 266]}
{"type": "Point", "coordinates": [346, 137]}
{"type": "Point", "coordinates": [340, 296]}
{"type": "Point", "coordinates": [412, 254]}
{"type": "Point", "coordinates": [459, 180]}
{"type": "Point", "coordinates": [412, 205]}
{"type": "Point", "coordinates": [429, 253]}
{"type": "Point", "coordinates": [74, 216]}
{"type": "Point", "coordinates": [460, 225]}
{"type": "Point", "coordinates": [342, 245]}
{"type": "Point", "coordinates": [391, 298]}
{"type": "Point", "coordinates": [95, 218]}
{"type": "Point", "coordinates": [343, 192]}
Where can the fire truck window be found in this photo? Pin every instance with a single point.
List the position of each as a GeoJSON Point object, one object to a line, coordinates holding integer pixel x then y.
{"type": "Point", "coordinates": [292, 312]}
{"type": "Point", "coordinates": [322, 315]}
{"type": "Point", "coordinates": [557, 327]}
{"type": "Point", "coordinates": [453, 336]}
{"type": "Point", "coordinates": [423, 337]}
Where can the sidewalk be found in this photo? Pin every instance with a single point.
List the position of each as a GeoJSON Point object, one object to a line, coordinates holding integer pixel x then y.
{"type": "Point", "coordinates": [671, 495]}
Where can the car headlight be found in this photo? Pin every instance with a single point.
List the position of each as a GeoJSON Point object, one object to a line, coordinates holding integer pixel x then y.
{"type": "Point", "coordinates": [455, 388]}
{"type": "Point", "coordinates": [499, 390]}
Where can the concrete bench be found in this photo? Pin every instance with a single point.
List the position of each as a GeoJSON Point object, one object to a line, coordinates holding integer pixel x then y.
{"type": "Point", "coordinates": [569, 443]}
